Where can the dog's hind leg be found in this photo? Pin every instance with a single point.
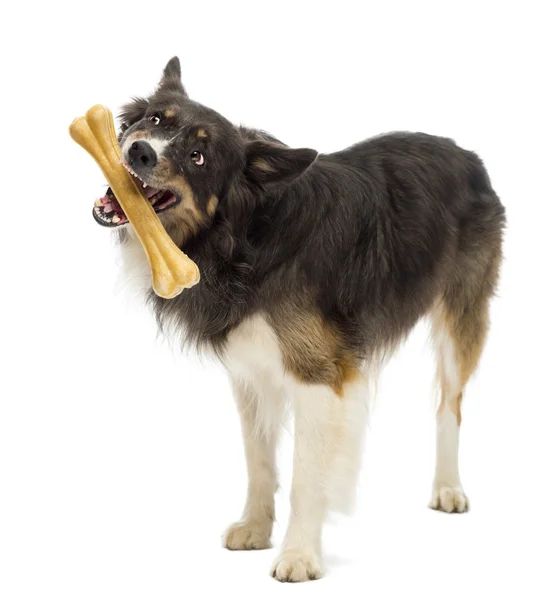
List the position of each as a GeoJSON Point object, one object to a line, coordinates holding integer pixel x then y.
{"type": "Point", "coordinates": [447, 494]}
{"type": "Point", "coordinates": [459, 327]}
{"type": "Point", "coordinates": [261, 417]}
{"type": "Point", "coordinates": [329, 432]}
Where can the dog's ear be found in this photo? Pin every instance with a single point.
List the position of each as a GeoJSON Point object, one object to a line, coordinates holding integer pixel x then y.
{"type": "Point", "coordinates": [132, 112]}
{"type": "Point", "coordinates": [171, 77]}
{"type": "Point", "coordinates": [173, 69]}
{"type": "Point", "coordinates": [270, 163]}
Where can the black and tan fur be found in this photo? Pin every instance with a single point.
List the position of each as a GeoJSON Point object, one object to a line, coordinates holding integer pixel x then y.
{"type": "Point", "coordinates": [342, 253]}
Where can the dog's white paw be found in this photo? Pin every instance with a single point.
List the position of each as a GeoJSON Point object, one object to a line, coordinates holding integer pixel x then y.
{"type": "Point", "coordinates": [449, 498]}
{"type": "Point", "coordinates": [248, 535]}
{"type": "Point", "coordinates": [297, 565]}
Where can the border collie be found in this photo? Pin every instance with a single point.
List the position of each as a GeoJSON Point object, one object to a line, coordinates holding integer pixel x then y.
{"type": "Point", "coordinates": [313, 268]}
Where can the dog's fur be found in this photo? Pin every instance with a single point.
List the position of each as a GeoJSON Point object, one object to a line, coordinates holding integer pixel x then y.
{"type": "Point", "coordinates": [313, 268]}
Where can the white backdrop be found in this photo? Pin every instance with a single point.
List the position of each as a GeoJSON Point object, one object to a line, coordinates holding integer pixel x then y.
{"type": "Point", "coordinates": [111, 483]}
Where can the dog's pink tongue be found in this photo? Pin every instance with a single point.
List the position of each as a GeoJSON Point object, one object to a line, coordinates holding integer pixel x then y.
{"type": "Point", "coordinates": [101, 202]}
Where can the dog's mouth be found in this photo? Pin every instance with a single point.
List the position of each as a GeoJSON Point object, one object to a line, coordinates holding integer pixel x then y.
{"type": "Point", "coordinates": [108, 212]}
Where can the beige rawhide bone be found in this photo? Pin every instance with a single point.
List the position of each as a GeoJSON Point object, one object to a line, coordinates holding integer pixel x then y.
{"type": "Point", "coordinates": [172, 270]}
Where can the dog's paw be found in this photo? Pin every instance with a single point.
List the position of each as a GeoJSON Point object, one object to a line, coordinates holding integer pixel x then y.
{"type": "Point", "coordinates": [296, 565]}
{"type": "Point", "coordinates": [248, 535]}
{"type": "Point", "coordinates": [449, 498]}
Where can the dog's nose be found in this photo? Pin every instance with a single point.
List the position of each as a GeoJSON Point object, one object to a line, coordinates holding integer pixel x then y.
{"type": "Point", "coordinates": [141, 154]}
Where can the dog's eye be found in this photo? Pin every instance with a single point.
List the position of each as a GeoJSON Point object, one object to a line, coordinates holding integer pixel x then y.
{"type": "Point", "coordinates": [197, 158]}
{"type": "Point", "coordinates": [155, 119]}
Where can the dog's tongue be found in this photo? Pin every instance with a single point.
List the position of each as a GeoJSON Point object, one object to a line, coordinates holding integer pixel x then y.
{"type": "Point", "coordinates": [148, 191]}
{"type": "Point", "coordinates": [109, 205]}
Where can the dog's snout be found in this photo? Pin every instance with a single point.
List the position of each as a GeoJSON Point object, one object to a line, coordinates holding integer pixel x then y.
{"type": "Point", "coordinates": [141, 154]}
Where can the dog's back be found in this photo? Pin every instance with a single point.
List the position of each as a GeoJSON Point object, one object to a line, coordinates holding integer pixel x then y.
{"type": "Point", "coordinates": [372, 236]}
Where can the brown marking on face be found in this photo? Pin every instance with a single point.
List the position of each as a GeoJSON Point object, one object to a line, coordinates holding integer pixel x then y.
{"type": "Point", "coordinates": [312, 349]}
{"type": "Point", "coordinates": [201, 133]}
{"type": "Point", "coordinates": [212, 205]}
{"type": "Point", "coordinates": [161, 173]}
{"type": "Point", "coordinates": [138, 135]}
{"type": "Point", "coordinates": [186, 218]}
{"type": "Point", "coordinates": [178, 183]}
{"type": "Point", "coordinates": [170, 112]}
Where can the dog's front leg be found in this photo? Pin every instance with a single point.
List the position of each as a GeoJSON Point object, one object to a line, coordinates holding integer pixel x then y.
{"type": "Point", "coordinates": [300, 557]}
{"type": "Point", "coordinates": [261, 417]}
{"type": "Point", "coordinates": [329, 434]}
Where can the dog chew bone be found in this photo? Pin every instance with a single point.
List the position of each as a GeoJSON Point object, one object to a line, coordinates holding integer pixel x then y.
{"type": "Point", "coordinates": [172, 270]}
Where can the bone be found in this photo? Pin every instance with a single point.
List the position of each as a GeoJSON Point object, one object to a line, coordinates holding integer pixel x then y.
{"type": "Point", "coordinates": [172, 270]}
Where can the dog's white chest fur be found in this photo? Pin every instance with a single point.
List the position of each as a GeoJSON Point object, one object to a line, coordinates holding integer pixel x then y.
{"type": "Point", "coordinates": [135, 272]}
{"type": "Point", "coordinates": [254, 362]}
{"type": "Point", "coordinates": [253, 354]}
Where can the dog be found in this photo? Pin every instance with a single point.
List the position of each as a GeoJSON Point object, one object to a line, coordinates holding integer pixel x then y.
{"type": "Point", "coordinates": [313, 268]}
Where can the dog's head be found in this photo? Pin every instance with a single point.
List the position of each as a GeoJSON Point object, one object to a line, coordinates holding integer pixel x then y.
{"type": "Point", "coordinates": [188, 157]}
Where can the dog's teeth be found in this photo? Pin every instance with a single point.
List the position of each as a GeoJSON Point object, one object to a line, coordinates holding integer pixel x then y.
{"type": "Point", "coordinates": [116, 219]}
{"type": "Point", "coordinates": [144, 184]}
{"type": "Point", "coordinates": [98, 202]}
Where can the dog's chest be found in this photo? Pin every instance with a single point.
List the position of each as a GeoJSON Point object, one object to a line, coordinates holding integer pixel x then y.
{"type": "Point", "coordinates": [252, 354]}
{"type": "Point", "coordinates": [135, 272]}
